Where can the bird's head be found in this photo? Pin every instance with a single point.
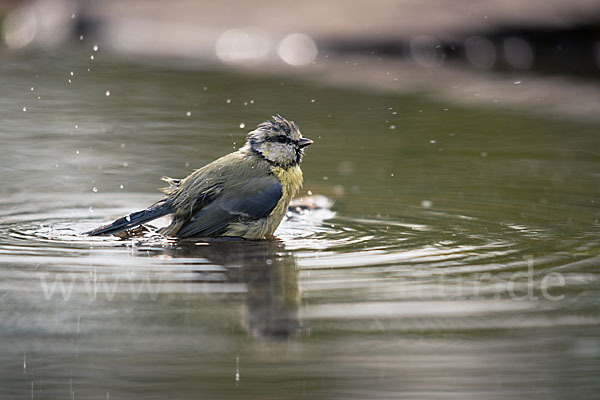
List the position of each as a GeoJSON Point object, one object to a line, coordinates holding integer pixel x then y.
{"type": "Point", "coordinates": [279, 141]}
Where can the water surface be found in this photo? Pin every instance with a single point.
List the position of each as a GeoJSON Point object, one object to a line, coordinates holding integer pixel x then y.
{"type": "Point", "coordinates": [459, 259]}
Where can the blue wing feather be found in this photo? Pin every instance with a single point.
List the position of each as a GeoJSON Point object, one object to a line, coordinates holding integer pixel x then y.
{"type": "Point", "coordinates": [252, 200]}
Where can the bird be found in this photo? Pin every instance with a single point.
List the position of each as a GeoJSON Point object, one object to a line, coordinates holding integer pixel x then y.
{"type": "Point", "coordinates": [244, 194]}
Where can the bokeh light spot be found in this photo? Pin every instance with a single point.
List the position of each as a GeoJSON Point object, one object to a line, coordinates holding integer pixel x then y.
{"type": "Point", "coordinates": [297, 49]}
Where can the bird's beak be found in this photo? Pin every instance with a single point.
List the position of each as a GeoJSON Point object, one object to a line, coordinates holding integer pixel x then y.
{"type": "Point", "coordinates": [304, 142]}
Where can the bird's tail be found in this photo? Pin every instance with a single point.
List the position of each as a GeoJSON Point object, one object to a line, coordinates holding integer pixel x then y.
{"type": "Point", "coordinates": [156, 210]}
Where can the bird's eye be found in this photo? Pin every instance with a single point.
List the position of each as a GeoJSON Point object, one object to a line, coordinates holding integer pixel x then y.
{"type": "Point", "coordinates": [281, 139]}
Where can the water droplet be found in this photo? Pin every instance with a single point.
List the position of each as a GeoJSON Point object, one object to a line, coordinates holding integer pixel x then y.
{"type": "Point", "coordinates": [516, 82]}
{"type": "Point", "coordinates": [392, 126]}
{"type": "Point", "coordinates": [107, 93]}
{"type": "Point", "coordinates": [228, 101]}
{"type": "Point", "coordinates": [484, 154]}
{"type": "Point", "coordinates": [242, 125]}
{"type": "Point", "coordinates": [76, 126]}
{"type": "Point", "coordinates": [188, 114]}
{"type": "Point", "coordinates": [205, 88]}
{"type": "Point", "coordinates": [95, 47]}
{"type": "Point", "coordinates": [325, 178]}
{"type": "Point", "coordinates": [69, 81]}
{"type": "Point", "coordinates": [432, 141]}
{"type": "Point", "coordinates": [312, 100]}
{"type": "Point", "coordinates": [32, 89]}
{"type": "Point", "coordinates": [309, 192]}
{"type": "Point", "coordinates": [251, 101]}
{"type": "Point", "coordinates": [95, 189]}
{"type": "Point", "coordinates": [125, 164]}
{"type": "Point", "coordinates": [187, 164]}
{"type": "Point", "coordinates": [24, 109]}
{"type": "Point", "coordinates": [80, 37]}
{"type": "Point", "coordinates": [120, 186]}
{"type": "Point", "coordinates": [122, 145]}
{"type": "Point", "coordinates": [392, 174]}
{"type": "Point", "coordinates": [76, 151]}
{"type": "Point", "coordinates": [92, 57]}
{"type": "Point", "coordinates": [73, 16]}
{"type": "Point", "coordinates": [91, 209]}
{"type": "Point", "coordinates": [426, 203]}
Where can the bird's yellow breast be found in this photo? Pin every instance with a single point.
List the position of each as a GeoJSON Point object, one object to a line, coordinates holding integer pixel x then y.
{"type": "Point", "coordinates": [291, 181]}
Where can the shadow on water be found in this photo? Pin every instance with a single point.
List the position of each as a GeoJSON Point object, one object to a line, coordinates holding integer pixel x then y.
{"type": "Point", "coordinates": [269, 273]}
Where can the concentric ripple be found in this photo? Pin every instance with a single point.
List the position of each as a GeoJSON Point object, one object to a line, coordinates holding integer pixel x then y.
{"type": "Point", "coordinates": [402, 268]}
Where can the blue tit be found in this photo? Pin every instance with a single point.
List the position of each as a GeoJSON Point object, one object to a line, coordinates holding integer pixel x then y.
{"type": "Point", "coordinates": [244, 194]}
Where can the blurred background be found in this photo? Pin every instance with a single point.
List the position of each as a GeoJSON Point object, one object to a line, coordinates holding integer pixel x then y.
{"type": "Point", "coordinates": [462, 50]}
{"type": "Point", "coordinates": [454, 251]}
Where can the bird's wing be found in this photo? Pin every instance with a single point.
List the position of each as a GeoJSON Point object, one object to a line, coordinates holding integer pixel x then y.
{"type": "Point", "coordinates": [157, 210]}
{"type": "Point", "coordinates": [252, 199]}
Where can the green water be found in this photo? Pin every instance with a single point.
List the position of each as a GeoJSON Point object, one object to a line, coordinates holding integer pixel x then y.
{"type": "Point", "coordinates": [460, 257]}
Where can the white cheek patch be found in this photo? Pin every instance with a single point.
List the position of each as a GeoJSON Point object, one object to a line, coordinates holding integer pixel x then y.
{"type": "Point", "coordinates": [278, 153]}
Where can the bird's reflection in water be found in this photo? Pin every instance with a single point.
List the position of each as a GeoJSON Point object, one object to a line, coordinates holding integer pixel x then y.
{"type": "Point", "coordinates": [270, 275]}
